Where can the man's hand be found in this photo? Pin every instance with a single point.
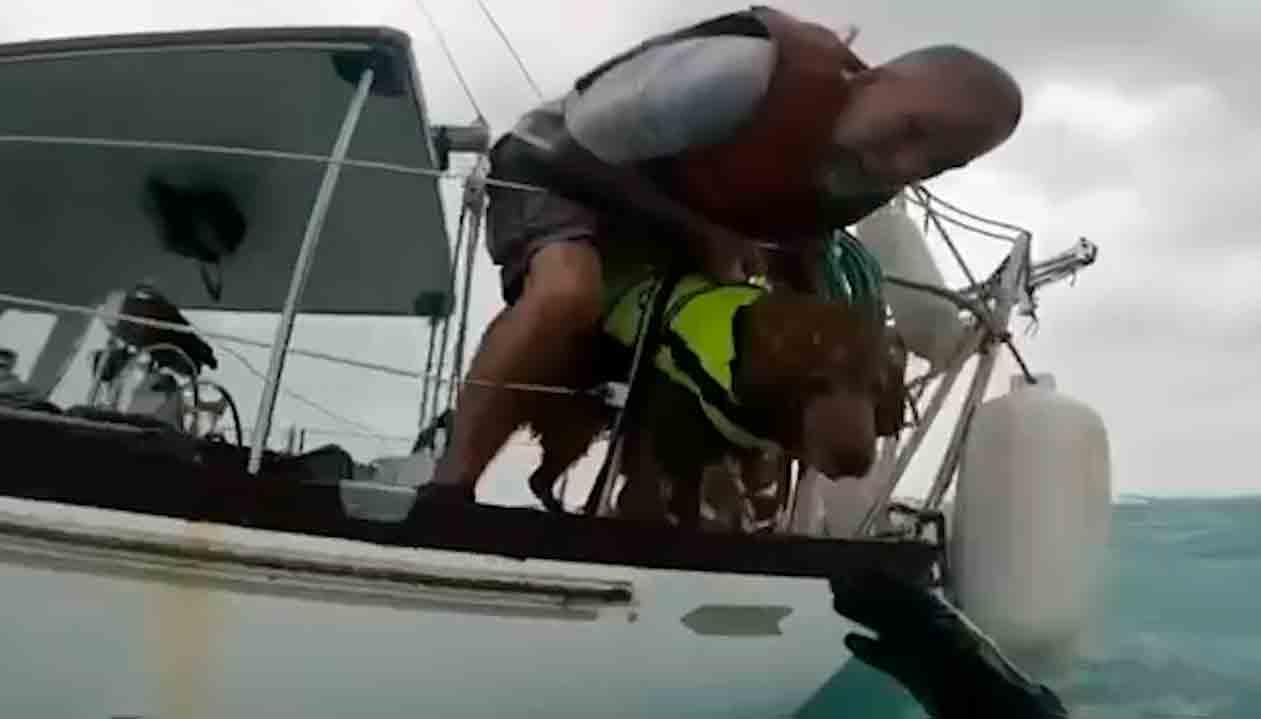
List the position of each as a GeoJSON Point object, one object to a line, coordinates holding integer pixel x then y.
{"type": "Point", "coordinates": [727, 256]}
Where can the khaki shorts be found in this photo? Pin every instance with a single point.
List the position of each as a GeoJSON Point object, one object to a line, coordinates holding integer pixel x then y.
{"type": "Point", "coordinates": [520, 222]}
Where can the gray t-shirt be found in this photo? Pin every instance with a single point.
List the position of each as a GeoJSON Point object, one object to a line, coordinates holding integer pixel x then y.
{"type": "Point", "coordinates": [666, 99]}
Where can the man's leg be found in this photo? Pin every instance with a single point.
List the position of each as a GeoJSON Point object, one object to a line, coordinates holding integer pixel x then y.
{"type": "Point", "coordinates": [537, 340]}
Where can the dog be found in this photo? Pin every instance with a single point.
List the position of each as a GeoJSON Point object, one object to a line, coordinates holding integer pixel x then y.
{"type": "Point", "coordinates": [815, 376]}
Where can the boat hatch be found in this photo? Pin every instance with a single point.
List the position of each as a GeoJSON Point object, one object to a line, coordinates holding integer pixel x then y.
{"type": "Point", "coordinates": [104, 187]}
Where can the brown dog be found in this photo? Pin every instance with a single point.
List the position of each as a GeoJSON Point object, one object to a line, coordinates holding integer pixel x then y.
{"type": "Point", "coordinates": [816, 374]}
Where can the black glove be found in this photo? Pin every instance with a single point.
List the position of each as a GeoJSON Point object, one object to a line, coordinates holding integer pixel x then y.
{"type": "Point", "coordinates": [936, 653]}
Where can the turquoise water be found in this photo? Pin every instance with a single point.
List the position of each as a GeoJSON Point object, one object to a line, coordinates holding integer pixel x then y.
{"type": "Point", "coordinates": [1178, 629]}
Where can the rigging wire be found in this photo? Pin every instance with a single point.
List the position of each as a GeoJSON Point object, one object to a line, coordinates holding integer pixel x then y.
{"type": "Point", "coordinates": [446, 49]}
{"type": "Point", "coordinates": [314, 354]}
{"type": "Point", "coordinates": [452, 175]}
{"type": "Point", "coordinates": [961, 224]}
{"type": "Point", "coordinates": [512, 49]}
{"type": "Point", "coordinates": [249, 367]}
{"type": "Point", "coordinates": [1000, 333]}
{"type": "Point", "coordinates": [383, 438]}
{"type": "Point", "coordinates": [1020, 360]}
{"type": "Point", "coordinates": [941, 229]}
{"type": "Point", "coordinates": [971, 216]}
{"type": "Point", "coordinates": [220, 343]}
{"type": "Point", "coordinates": [923, 201]}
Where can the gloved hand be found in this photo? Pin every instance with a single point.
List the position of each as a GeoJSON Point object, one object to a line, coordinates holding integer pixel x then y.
{"type": "Point", "coordinates": [930, 648]}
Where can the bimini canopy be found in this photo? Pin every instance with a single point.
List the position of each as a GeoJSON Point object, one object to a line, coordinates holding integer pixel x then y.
{"type": "Point", "coordinates": [86, 208]}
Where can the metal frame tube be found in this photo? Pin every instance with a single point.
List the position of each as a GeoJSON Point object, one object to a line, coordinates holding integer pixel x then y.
{"type": "Point", "coordinates": [474, 200]}
{"type": "Point", "coordinates": [1008, 289]}
{"type": "Point", "coordinates": [966, 350]}
{"type": "Point", "coordinates": [607, 479]}
{"type": "Point", "coordinates": [984, 334]}
{"type": "Point", "coordinates": [600, 499]}
{"type": "Point", "coordinates": [796, 473]}
{"type": "Point", "coordinates": [444, 344]}
{"type": "Point", "coordinates": [886, 472]}
{"type": "Point", "coordinates": [113, 304]}
{"type": "Point", "coordinates": [950, 461]}
{"type": "Point", "coordinates": [426, 386]}
{"type": "Point", "coordinates": [302, 270]}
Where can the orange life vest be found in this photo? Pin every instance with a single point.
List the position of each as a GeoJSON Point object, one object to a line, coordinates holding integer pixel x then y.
{"type": "Point", "coordinates": [764, 180]}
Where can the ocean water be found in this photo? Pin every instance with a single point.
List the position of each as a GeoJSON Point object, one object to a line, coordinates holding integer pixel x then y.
{"type": "Point", "coordinates": [1176, 634]}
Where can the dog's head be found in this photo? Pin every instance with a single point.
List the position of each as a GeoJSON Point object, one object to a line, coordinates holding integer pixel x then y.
{"type": "Point", "coordinates": [822, 373]}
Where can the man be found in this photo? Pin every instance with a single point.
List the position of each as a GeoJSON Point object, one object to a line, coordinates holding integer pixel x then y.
{"type": "Point", "coordinates": [748, 128]}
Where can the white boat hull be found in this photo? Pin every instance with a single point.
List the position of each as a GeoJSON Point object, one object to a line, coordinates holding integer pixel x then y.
{"type": "Point", "coordinates": [97, 632]}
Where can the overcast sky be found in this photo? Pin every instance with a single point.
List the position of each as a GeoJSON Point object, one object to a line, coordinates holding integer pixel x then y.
{"type": "Point", "coordinates": [1139, 134]}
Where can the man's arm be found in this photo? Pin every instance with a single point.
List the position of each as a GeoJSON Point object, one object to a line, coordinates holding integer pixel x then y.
{"type": "Point", "coordinates": [621, 192]}
{"type": "Point", "coordinates": [671, 98]}
{"type": "Point", "coordinates": [685, 94]}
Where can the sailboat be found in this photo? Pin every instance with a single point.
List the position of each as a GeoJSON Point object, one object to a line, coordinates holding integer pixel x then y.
{"type": "Point", "coordinates": [156, 568]}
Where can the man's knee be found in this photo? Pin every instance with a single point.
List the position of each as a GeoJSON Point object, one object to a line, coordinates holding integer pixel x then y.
{"type": "Point", "coordinates": [563, 288]}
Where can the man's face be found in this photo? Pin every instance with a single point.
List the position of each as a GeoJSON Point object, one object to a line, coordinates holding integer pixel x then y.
{"type": "Point", "coordinates": [901, 129]}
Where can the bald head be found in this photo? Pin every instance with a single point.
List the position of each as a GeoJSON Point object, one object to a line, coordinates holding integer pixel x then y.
{"type": "Point", "coordinates": [967, 75]}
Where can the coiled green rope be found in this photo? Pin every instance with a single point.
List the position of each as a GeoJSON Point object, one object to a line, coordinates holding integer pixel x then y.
{"type": "Point", "coordinates": [851, 274]}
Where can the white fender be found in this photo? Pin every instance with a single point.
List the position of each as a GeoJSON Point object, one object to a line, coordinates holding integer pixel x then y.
{"type": "Point", "coordinates": [1031, 518]}
{"type": "Point", "coordinates": [930, 325]}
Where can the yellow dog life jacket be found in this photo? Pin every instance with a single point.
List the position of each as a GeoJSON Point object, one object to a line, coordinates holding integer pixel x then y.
{"type": "Point", "coordinates": [698, 345]}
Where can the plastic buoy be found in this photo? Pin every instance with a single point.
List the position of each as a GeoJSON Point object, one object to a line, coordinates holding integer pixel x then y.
{"type": "Point", "coordinates": [929, 324]}
{"type": "Point", "coordinates": [1031, 518]}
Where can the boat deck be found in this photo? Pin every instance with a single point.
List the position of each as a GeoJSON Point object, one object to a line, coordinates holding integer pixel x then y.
{"type": "Point", "coordinates": [92, 463]}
